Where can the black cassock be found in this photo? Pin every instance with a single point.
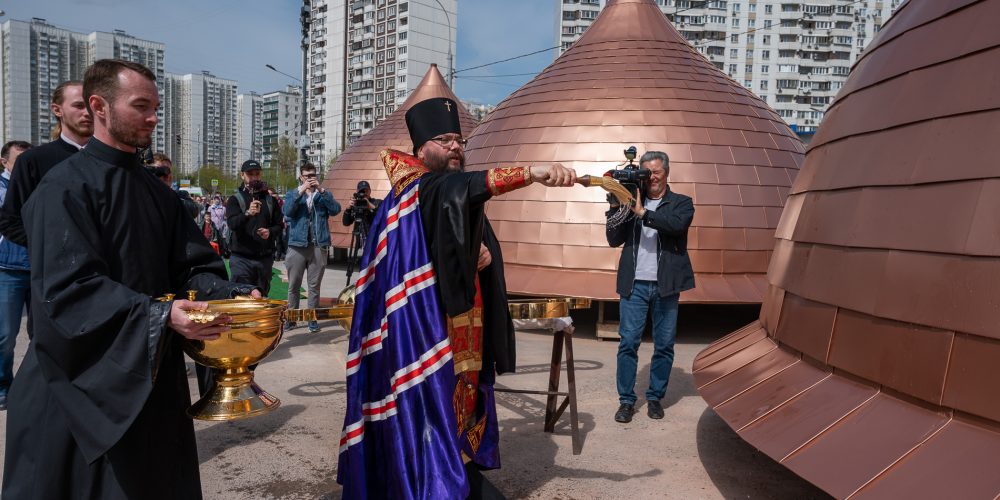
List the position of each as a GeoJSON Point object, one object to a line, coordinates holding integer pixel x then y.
{"type": "Point", "coordinates": [97, 407]}
{"type": "Point", "coordinates": [452, 208]}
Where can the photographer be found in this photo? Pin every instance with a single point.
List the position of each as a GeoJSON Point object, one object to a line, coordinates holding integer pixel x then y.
{"type": "Point", "coordinates": [653, 269]}
{"type": "Point", "coordinates": [363, 206]}
{"type": "Point", "coordinates": [255, 221]}
{"type": "Point", "coordinates": [307, 210]}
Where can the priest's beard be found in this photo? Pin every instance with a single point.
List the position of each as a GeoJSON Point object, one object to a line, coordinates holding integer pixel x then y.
{"type": "Point", "coordinates": [436, 161]}
{"type": "Point", "coordinates": [122, 132]}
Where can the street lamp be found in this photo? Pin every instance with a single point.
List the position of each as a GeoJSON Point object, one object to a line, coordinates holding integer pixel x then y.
{"type": "Point", "coordinates": [451, 61]}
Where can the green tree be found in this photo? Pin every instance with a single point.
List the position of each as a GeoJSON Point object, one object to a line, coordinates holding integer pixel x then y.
{"type": "Point", "coordinates": [284, 161]}
{"type": "Point", "coordinates": [227, 182]}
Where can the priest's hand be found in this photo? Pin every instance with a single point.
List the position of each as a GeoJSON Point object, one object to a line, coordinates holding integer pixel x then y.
{"type": "Point", "coordinates": [180, 323]}
{"type": "Point", "coordinates": [254, 208]}
{"type": "Point", "coordinates": [553, 175]}
{"type": "Point", "coordinates": [485, 258]}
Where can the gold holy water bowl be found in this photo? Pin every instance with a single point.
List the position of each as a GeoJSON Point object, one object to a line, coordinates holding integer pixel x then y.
{"type": "Point", "coordinates": [256, 328]}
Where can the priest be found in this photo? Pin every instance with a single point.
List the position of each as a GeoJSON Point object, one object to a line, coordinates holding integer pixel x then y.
{"type": "Point", "coordinates": [97, 408]}
{"type": "Point", "coordinates": [431, 327]}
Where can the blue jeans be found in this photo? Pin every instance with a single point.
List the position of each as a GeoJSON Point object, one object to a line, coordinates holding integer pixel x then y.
{"type": "Point", "coordinates": [14, 287]}
{"type": "Point", "coordinates": [633, 321]}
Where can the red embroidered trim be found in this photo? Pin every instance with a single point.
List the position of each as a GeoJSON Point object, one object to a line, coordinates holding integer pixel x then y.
{"type": "Point", "coordinates": [505, 179]}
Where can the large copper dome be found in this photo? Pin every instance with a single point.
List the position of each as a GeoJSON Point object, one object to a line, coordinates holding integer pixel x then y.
{"type": "Point", "coordinates": [874, 370]}
{"type": "Point", "coordinates": [361, 162]}
{"type": "Point", "coordinates": [633, 80]}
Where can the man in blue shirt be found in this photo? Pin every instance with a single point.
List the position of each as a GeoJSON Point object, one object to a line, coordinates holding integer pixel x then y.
{"type": "Point", "coordinates": [306, 210]}
{"type": "Point", "coordinates": [14, 279]}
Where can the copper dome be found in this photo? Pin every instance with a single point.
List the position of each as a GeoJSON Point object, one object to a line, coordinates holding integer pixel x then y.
{"type": "Point", "coordinates": [360, 161]}
{"type": "Point", "coordinates": [874, 369]}
{"type": "Point", "coordinates": [633, 80]}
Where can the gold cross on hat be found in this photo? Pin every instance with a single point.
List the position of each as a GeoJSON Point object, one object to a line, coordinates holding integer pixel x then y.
{"type": "Point", "coordinates": [447, 104]}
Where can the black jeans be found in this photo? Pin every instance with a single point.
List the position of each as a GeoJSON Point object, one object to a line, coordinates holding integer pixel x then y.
{"type": "Point", "coordinates": [254, 271]}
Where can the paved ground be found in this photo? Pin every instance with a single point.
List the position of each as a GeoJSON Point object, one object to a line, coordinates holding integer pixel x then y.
{"type": "Point", "coordinates": [691, 454]}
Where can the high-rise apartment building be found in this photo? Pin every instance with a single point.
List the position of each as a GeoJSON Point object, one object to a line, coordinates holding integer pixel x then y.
{"type": "Point", "coordinates": [365, 56]}
{"type": "Point", "coordinates": [794, 55]}
{"type": "Point", "coordinates": [250, 131]}
{"type": "Point", "coordinates": [281, 115]}
{"type": "Point", "coordinates": [37, 57]}
{"type": "Point", "coordinates": [202, 115]}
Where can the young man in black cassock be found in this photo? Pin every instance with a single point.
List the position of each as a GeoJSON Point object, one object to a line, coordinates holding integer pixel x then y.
{"type": "Point", "coordinates": [75, 128]}
{"type": "Point", "coordinates": [97, 408]}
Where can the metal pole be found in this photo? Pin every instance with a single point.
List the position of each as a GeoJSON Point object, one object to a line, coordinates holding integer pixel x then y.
{"type": "Point", "coordinates": [451, 61]}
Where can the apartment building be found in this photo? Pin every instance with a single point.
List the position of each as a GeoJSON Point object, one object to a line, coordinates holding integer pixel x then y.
{"type": "Point", "coordinates": [794, 55]}
{"type": "Point", "coordinates": [37, 57]}
{"type": "Point", "coordinates": [202, 115]}
{"type": "Point", "coordinates": [281, 114]}
{"type": "Point", "coordinates": [365, 57]}
{"type": "Point", "coordinates": [250, 128]}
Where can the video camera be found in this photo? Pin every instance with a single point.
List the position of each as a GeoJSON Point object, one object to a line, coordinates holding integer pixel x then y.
{"type": "Point", "coordinates": [632, 176]}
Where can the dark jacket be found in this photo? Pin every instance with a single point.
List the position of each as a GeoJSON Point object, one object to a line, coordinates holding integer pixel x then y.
{"type": "Point", "coordinates": [369, 215]}
{"type": "Point", "coordinates": [671, 219]}
{"type": "Point", "coordinates": [297, 214]}
{"type": "Point", "coordinates": [29, 169]}
{"type": "Point", "coordinates": [245, 241]}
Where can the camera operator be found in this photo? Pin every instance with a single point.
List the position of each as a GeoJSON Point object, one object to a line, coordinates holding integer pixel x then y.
{"type": "Point", "coordinates": [255, 221]}
{"type": "Point", "coordinates": [307, 210]}
{"type": "Point", "coordinates": [363, 206]}
{"type": "Point", "coordinates": [653, 269]}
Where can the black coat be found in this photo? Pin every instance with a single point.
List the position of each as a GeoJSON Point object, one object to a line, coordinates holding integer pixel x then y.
{"type": "Point", "coordinates": [245, 240]}
{"type": "Point", "coordinates": [29, 169]}
{"type": "Point", "coordinates": [671, 220]}
{"type": "Point", "coordinates": [97, 407]}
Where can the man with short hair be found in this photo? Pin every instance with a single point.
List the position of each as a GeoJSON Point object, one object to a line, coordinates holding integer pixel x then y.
{"type": "Point", "coordinates": [75, 127]}
{"type": "Point", "coordinates": [14, 279]}
{"type": "Point", "coordinates": [255, 221]}
{"type": "Point", "coordinates": [97, 408]}
{"type": "Point", "coordinates": [654, 268]}
{"type": "Point", "coordinates": [431, 326]}
{"type": "Point", "coordinates": [307, 210]}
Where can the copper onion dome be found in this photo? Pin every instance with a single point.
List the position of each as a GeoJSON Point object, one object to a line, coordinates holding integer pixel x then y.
{"type": "Point", "coordinates": [632, 79]}
{"type": "Point", "coordinates": [874, 369]}
{"type": "Point", "coordinates": [360, 161]}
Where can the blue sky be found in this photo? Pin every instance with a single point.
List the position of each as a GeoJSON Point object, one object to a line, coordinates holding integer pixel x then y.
{"type": "Point", "coordinates": [236, 38]}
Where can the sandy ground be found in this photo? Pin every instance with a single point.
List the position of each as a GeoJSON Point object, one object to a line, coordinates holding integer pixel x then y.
{"type": "Point", "coordinates": [690, 454]}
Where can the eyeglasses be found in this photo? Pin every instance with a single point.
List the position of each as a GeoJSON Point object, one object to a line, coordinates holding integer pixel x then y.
{"type": "Point", "coordinates": [161, 171]}
{"type": "Point", "coordinates": [446, 141]}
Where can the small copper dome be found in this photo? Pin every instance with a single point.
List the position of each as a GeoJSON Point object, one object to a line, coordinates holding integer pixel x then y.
{"type": "Point", "coordinates": [873, 371]}
{"type": "Point", "coordinates": [360, 161]}
{"type": "Point", "coordinates": [633, 80]}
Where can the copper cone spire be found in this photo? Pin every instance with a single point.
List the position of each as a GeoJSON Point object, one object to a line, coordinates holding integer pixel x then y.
{"type": "Point", "coordinates": [360, 161]}
{"type": "Point", "coordinates": [633, 80]}
{"type": "Point", "coordinates": [874, 369]}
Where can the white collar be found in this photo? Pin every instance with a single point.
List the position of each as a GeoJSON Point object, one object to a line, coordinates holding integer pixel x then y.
{"type": "Point", "coordinates": [69, 141]}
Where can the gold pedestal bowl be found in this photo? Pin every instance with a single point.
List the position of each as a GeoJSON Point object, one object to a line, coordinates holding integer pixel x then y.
{"type": "Point", "coordinates": [256, 328]}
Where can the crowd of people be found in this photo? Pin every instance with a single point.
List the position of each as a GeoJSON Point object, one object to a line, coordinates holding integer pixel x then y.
{"type": "Point", "coordinates": [94, 232]}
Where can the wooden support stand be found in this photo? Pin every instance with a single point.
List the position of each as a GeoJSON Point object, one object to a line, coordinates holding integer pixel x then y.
{"type": "Point", "coordinates": [562, 340]}
{"type": "Point", "coordinates": [606, 330]}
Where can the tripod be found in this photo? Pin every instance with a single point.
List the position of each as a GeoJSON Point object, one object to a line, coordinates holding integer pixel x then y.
{"type": "Point", "coordinates": [358, 235]}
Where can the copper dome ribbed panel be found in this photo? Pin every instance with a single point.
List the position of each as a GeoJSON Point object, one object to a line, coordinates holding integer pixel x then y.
{"type": "Point", "coordinates": [633, 80]}
{"type": "Point", "coordinates": [360, 161]}
{"type": "Point", "coordinates": [873, 370]}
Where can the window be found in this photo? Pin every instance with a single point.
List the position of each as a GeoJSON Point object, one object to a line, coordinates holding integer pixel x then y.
{"type": "Point", "coordinates": [734, 53]}
{"type": "Point", "coordinates": [765, 55]}
{"type": "Point", "coordinates": [734, 38]}
{"type": "Point", "coordinates": [748, 68]}
{"type": "Point", "coordinates": [763, 86]}
{"type": "Point", "coordinates": [764, 68]}
{"type": "Point", "coordinates": [767, 9]}
{"type": "Point", "coordinates": [767, 39]}
{"type": "Point", "coordinates": [736, 22]}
